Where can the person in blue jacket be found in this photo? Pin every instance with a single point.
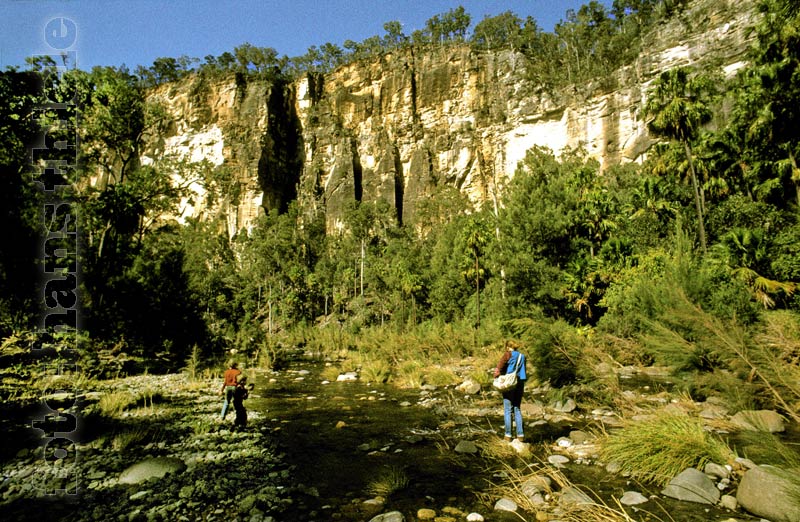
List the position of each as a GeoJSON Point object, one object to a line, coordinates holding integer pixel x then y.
{"type": "Point", "coordinates": [513, 361]}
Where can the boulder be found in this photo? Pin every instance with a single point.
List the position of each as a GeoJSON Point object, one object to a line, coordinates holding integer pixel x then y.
{"type": "Point", "coordinates": [155, 467]}
{"type": "Point", "coordinates": [759, 420]}
{"type": "Point", "coordinates": [765, 492]}
{"type": "Point", "coordinates": [692, 485]}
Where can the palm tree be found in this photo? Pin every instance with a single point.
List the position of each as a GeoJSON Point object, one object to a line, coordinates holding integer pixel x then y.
{"type": "Point", "coordinates": [744, 252]}
{"type": "Point", "coordinates": [679, 107]}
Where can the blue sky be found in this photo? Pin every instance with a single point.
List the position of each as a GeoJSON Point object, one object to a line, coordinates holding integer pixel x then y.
{"type": "Point", "coordinates": [135, 32]}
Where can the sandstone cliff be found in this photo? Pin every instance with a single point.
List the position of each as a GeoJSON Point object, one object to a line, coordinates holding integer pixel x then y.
{"type": "Point", "coordinates": [399, 125]}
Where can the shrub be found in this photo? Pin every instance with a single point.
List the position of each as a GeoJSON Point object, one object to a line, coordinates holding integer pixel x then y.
{"type": "Point", "coordinates": [657, 449]}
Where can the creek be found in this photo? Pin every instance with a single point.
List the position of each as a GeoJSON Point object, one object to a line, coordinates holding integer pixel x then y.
{"type": "Point", "coordinates": [343, 436]}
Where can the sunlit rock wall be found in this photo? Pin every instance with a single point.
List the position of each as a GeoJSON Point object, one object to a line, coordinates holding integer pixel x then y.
{"type": "Point", "coordinates": [395, 127]}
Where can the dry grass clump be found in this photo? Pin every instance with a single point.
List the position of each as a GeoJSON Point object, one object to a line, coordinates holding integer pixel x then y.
{"type": "Point", "coordinates": [547, 480]}
{"type": "Point", "coordinates": [657, 449]}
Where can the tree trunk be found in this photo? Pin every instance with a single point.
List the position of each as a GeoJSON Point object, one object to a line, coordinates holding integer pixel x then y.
{"type": "Point", "coordinates": [477, 293]}
{"type": "Point", "coordinates": [362, 268]}
{"type": "Point", "coordinates": [700, 226]}
{"type": "Point", "coordinates": [795, 176]}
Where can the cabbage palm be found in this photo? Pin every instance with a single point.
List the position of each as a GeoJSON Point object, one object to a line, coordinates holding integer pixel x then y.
{"type": "Point", "coordinates": [744, 252]}
{"type": "Point", "coordinates": [678, 107]}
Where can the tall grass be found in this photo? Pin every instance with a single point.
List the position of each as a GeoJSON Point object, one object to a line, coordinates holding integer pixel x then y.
{"type": "Point", "coordinates": [657, 449]}
{"type": "Point", "coordinates": [113, 404]}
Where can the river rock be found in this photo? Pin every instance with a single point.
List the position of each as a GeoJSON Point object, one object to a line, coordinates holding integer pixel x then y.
{"type": "Point", "coordinates": [729, 502]}
{"type": "Point", "coordinates": [155, 467]}
{"type": "Point", "coordinates": [426, 514]}
{"type": "Point", "coordinates": [764, 493]}
{"type": "Point", "coordinates": [475, 517]}
{"type": "Point", "coordinates": [347, 377]}
{"type": "Point", "coordinates": [535, 488]}
{"type": "Point", "coordinates": [574, 496]}
{"type": "Point", "coordinates": [505, 504]}
{"type": "Point", "coordinates": [558, 460]}
{"type": "Point", "coordinates": [469, 387]}
{"type": "Point", "coordinates": [522, 448]}
{"type": "Point", "coordinates": [579, 436]}
{"type": "Point", "coordinates": [566, 406]}
{"type": "Point", "coordinates": [391, 516]}
{"type": "Point", "coordinates": [713, 411]}
{"type": "Point", "coordinates": [759, 420]}
{"type": "Point", "coordinates": [692, 485]}
{"type": "Point", "coordinates": [715, 470]}
{"type": "Point", "coordinates": [633, 498]}
{"type": "Point", "coordinates": [539, 483]}
{"type": "Point", "coordinates": [466, 446]}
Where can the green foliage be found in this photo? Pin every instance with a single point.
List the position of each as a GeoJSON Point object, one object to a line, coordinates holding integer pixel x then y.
{"type": "Point", "coordinates": [20, 201]}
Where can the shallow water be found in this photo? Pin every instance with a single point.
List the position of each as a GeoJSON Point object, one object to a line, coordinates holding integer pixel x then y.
{"type": "Point", "coordinates": [419, 441]}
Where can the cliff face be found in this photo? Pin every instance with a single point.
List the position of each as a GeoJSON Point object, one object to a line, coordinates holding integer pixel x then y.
{"type": "Point", "coordinates": [396, 127]}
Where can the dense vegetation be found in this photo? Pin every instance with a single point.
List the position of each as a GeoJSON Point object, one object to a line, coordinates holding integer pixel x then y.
{"type": "Point", "coordinates": [690, 259]}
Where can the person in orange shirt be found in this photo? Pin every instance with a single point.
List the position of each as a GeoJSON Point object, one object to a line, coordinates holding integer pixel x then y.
{"type": "Point", "coordinates": [229, 386]}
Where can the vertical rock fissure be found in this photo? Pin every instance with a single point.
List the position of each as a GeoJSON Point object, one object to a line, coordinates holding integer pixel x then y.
{"type": "Point", "coordinates": [399, 185]}
{"type": "Point", "coordinates": [281, 163]}
{"type": "Point", "coordinates": [413, 87]}
{"type": "Point", "coordinates": [358, 171]}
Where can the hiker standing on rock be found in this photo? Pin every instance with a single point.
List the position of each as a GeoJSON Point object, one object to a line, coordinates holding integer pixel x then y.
{"type": "Point", "coordinates": [229, 386]}
{"type": "Point", "coordinates": [512, 361]}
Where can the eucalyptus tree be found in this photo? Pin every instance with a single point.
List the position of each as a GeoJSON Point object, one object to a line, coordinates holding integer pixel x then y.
{"type": "Point", "coordinates": [678, 106]}
{"type": "Point", "coordinates": [493, 32]}
{"type": "Point", "coordinates": [394, 36]}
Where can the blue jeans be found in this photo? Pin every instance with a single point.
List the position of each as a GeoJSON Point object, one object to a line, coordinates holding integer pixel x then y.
{"type": "Point", "coordinates": [511, 409]}
{"type": "Point", "coordinates": [228, 393]}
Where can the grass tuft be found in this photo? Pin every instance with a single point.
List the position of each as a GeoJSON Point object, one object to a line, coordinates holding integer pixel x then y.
{"type": "Point", "coordinates": [113, 404]}
{"type": "Point", "coordinates": [390, 480]}
{"type": "Point", "coordinates": [657, 449]}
